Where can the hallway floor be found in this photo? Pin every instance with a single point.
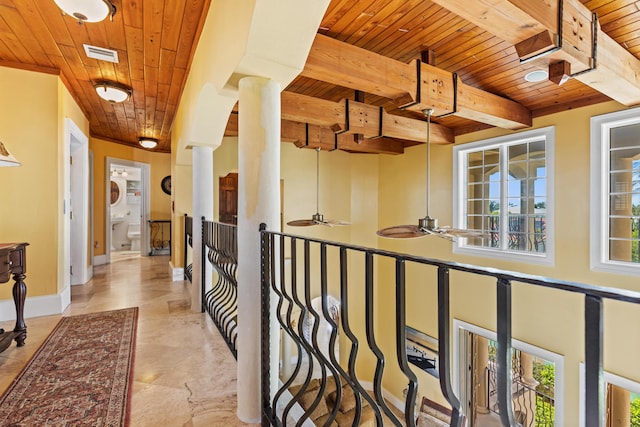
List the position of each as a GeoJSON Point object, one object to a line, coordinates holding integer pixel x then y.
{"type": "Point", "coordinates": [184, 374]}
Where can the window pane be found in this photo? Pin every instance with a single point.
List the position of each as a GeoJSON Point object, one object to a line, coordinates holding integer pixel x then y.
{"type": "Point", "coordinates": [474, 175]}
{"type": "Point", "coordinates": [494, 190]}
{"type": "Point", "coordinates": [620, 204]}
{"type": "Point", "coordinates": [517, 152]}
{"type": "Point", "coordinates": [622, 159]}
{"type": "Point", "coordinates": [537, 150]}
{"type": "Point", "coordinates": [537, 169]}
{"type": "Point", "coordinates": [623, 228]}
{"type": "Point", "coordinates": [474, 159]}
{"type": "Point", "coordinates": [518, 170]}
{"type": "Point", "coordinates": [625, 136]}
{"type": "Point", "coordinates": [474, 207]}
{"type": "Point", "coordinates": [624, 250]}
{"type": "Point", "coordinates": [517, 188]}
{"type": "Point", "coordinates": [491, 157]}
{"type": "Point", "coordinates": [621, 182]}
{"type": "Point", "coordinates": [474, 222]}
{"type": "Point", "coordinates": [492, 223]}
{"type": "Point", "coordinates": [540, 187]}
{"type": "Point", "coordinates": [540, 205]}
{"type": "Point", "coordinates": [474, 191]}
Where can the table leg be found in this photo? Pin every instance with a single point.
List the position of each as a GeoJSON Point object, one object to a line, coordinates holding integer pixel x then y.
{"type": "Point", "coordinates": [19, 295]}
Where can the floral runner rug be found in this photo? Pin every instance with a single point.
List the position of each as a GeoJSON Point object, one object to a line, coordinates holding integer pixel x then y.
{"type": "Point", "coordinates": [80, 376]}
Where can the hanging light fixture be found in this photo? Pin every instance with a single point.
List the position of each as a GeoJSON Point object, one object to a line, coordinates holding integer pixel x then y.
{"type": "Point", "coordinates": [148, 142]}
{"type": "Point", "coordinates": [112, 92]}
{"type": "Point", "coordinates": [6, 158]}
{"type": "Point", "coordinates": [428, 225]}
{"type": "Point", "coordinates": [87, 10]}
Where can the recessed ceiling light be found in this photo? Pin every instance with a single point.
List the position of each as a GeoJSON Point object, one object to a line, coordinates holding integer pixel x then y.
{"type": "Point", "coordinates": [148, 142]}
{"type": "Point", "coordinates": [112, 92]}
{"type": "Point", "coordinates": [536, 76]}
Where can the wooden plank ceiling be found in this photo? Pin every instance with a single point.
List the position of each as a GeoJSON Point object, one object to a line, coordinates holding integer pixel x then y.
{"type": "Point", "coordinates": [478, 71]}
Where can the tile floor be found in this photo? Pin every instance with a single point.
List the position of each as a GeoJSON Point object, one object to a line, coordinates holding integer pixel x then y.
{"type": "Point", "coordinates": [184, 374]}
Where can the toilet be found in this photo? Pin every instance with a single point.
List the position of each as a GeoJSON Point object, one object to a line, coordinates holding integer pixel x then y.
{"type": "Point", "coordinates": [133, 234]}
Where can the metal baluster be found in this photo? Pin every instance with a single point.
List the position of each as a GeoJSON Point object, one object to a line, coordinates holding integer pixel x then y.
{"type": "Point", "coordinates": [503, 355]}
{"type": "Point", "coordinates": [444, 348]}
{"type": "Point", "coordinates": [401, 343]}
{"type": "Point", "coordinates": [594, 394]}
{"type": "Point", "coordinates": [353, 353]}
{"type": "Point", "coordinates": [371, 340]}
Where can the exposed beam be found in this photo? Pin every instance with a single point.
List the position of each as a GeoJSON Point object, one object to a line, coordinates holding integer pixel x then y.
{"type": "Point", "coordinates": [351, 117]}
{"type": "Point", "coordinates": [532, 27]}
{"type": "Point", "coordinates": [311, 136]}
{"type": "Point", "coordinates": [346, 65]}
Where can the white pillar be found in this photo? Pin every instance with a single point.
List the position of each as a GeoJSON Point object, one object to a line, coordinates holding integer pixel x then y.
{"type": "Point", "coordinates": [258, 202]}
{"type": "Point", "coordinates": [202, 207]}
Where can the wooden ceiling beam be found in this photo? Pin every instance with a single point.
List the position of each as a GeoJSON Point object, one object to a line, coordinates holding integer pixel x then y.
{"type": "Point", "coordinates": [346, 65]}
{"type": "Point", "coordinates": [532, 27]}
{"type": "Point", "coordinates": [305, 135]}
{"type": "Point", "coordinates": [351, 118]}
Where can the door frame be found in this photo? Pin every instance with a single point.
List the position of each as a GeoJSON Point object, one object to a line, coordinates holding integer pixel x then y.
{"type": "Point", "coordinates": [145, 205]}
{"type": "Point", "coordinates": [76, 203]}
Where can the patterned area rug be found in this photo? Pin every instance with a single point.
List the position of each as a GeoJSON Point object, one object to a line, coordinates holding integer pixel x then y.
{"type": "Point", "coordinates": [79, 376]}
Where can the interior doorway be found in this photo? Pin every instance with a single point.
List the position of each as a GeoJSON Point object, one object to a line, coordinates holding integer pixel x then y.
{"type": "Point", "coordinates": [78, 269]}
{"type": "Point", "coordinates": [228, 197]}
{"type": "Point", "coordinates": [127, 209]}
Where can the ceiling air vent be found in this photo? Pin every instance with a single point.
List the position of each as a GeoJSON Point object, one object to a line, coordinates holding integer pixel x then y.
{"type": "Point", "coordinates": [101, 53]}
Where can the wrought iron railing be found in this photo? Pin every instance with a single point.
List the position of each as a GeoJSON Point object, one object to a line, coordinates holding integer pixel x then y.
{"type": "Point", "coordinates": [288, 264]}
{"type": "Point", "coordinates": [160, 236]}
{"type": "Point", "coordinates": [531, 407]}
{"type": "Point", "coordinates": [220, 243]}
{"type": "Point", "coordinates": [188, 247]}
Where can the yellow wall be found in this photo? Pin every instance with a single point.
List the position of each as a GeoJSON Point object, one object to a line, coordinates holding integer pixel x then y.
{"type": "Point", "coordinates": [545, 318]}
{"type": "Point", "coordinates": [160, 167]}
{"type": "Point", "coordinates": [29, 211]}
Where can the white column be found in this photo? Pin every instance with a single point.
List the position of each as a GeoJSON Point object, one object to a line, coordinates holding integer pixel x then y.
{"type": "Point", "coordinates": [202, 207]}
{"type": "Point", "coordinates": [258, 202]}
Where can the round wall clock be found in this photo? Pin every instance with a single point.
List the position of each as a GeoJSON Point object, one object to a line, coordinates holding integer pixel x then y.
{"type": "Point", "coordinates": [166, 184]}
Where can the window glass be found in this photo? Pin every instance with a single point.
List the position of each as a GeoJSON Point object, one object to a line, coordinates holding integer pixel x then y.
{"type": "Point", "coordinates": [507, 182]}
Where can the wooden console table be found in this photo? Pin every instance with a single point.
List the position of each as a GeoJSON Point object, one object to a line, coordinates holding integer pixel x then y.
{"type": "Point", "coordinates": [13, 260]}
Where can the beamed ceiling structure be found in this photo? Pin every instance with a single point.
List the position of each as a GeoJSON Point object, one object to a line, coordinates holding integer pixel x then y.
{"type": "Point", "coordinates": [374, 66]}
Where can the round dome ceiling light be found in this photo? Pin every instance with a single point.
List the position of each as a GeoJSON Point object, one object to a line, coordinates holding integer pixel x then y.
{"type": "Point", "coordinates": [148, 142]}
{"type": "Point", "coordinates": [87, 10]}
{"type": "Point", "coordinates": [537, 76]}
{"type": "Point", "coordinates": [112, 92]}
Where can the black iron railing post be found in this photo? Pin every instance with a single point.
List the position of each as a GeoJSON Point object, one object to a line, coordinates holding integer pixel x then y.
{"type": "Point", "coordinates": [444, 347]}
{"type": "Point", "coordinates": [184, 258]}
{"type": "Point", "coordinates": [401, 342]}
{"type": "Point", "coordinates": [593, 326]}
{"type": "Point", "coordinates": [203, 270]}
{"type": "Point", "coordinates": [503, 356]}
{"type": "Point", "coordinates": [265, 255]}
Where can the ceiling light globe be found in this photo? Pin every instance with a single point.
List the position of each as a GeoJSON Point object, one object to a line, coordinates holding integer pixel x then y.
{"type": "Point", "coordinates": [112, 92]}
{"type": "Point", "coordinates": [148, 142]}
{"type": "Point", "coordinates": [85, 10]}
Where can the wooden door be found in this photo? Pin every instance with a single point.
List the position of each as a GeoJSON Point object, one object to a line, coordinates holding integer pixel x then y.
{"type": "Point", "coordinates": [228, 199]}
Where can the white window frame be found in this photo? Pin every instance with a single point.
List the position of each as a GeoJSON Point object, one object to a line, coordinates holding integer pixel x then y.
{"type": "Point", "coordinates": [460, 195]}
{"type": "Point", "coordinates": [459, 326]}
{"type": "Point", "coordinates": [608, 378]}
{"type": "Point", "coordinates": [599, 238]}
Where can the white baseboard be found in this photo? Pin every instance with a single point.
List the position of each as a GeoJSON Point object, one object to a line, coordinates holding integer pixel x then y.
{"type": "Point", "coordinates": [45, 305]}
{"type": "Point", "coordinates": [176, 273]}
{"type": "Point", "coordinates": [100, 259]}
{"type": "Point", "coordinates": [398, 403]}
